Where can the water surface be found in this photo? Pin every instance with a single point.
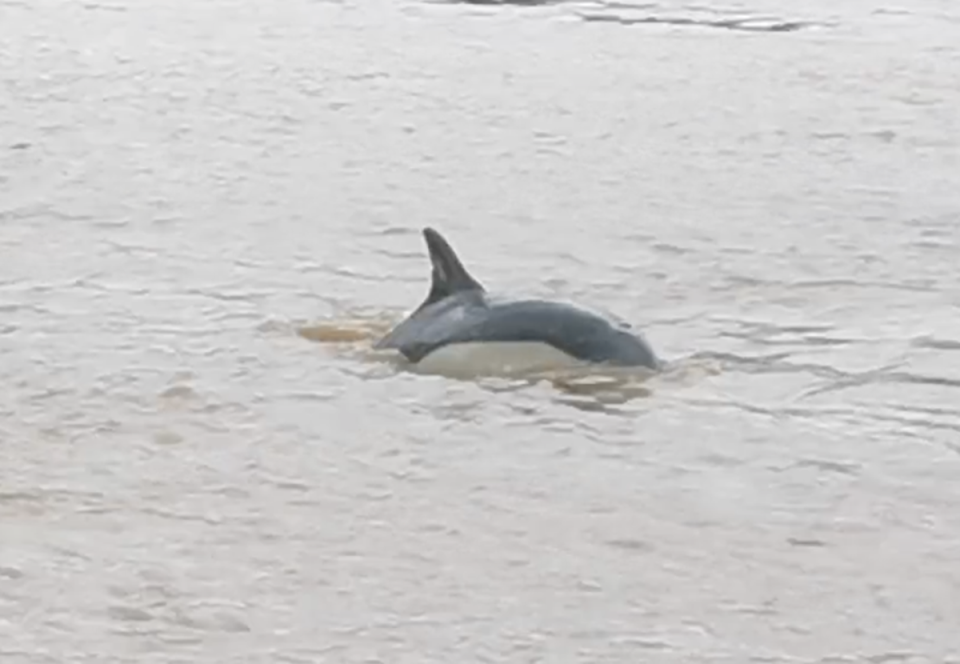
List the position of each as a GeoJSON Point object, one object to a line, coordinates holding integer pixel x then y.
{"type": "Point", "coordinates": [208, 209]}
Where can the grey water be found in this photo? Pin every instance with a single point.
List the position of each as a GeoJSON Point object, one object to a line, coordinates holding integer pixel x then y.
{"type": "Point", "coordinates": [768, 190]}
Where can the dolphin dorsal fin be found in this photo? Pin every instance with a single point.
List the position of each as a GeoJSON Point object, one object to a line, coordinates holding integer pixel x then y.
{"type": "Point", "coordinates": [448, 275]}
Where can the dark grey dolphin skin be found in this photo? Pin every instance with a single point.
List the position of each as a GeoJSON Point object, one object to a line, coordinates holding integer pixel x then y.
{"type": "Point", "coordinates": [458, 309]}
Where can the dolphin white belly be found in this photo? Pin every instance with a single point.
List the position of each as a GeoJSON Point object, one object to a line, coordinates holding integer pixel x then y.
{"type": "Point", "coordinates": [496, 358]}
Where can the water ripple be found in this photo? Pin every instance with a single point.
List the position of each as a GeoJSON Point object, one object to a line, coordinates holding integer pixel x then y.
{"type": "Point", "coordinates": [203, 225]}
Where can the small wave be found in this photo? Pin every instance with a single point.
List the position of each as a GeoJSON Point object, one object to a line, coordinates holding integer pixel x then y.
{"type": "Point", "coordinates": [625, 13]}
{"type": "Point", "coordinates": [933, 343]}
{"type": "Point", "coordinates": [748, 24]}
{"type": "Point", "coordinates": [505, 3]}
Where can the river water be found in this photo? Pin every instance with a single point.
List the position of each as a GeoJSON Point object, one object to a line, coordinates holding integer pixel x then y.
{"type": "Point", "coordinates": [209, 210]}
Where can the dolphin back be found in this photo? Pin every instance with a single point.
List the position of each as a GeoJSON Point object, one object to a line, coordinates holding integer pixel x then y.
{"type": "Point", "coordinates": [471, 317]}
{"type": "Point", "coordinates": [578, 333]}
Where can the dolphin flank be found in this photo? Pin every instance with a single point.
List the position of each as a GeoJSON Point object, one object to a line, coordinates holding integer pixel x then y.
{"type": "Point", "coordinates": [459, 318]}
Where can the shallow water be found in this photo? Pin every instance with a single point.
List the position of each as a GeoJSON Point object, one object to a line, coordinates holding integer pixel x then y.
{"type": "Point", "coordinates": [207, 210]}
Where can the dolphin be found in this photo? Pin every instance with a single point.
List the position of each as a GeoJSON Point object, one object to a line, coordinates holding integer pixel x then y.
{"type": "Point", "coordinates": [460, 325]}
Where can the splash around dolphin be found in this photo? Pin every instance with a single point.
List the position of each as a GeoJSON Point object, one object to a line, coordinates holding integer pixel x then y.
{"type": "Point", "coordinates": [461, 327]}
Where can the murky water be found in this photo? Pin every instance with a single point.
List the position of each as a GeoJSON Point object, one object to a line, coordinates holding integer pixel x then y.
{"type": "Point", "coordinates": [207, 210]}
